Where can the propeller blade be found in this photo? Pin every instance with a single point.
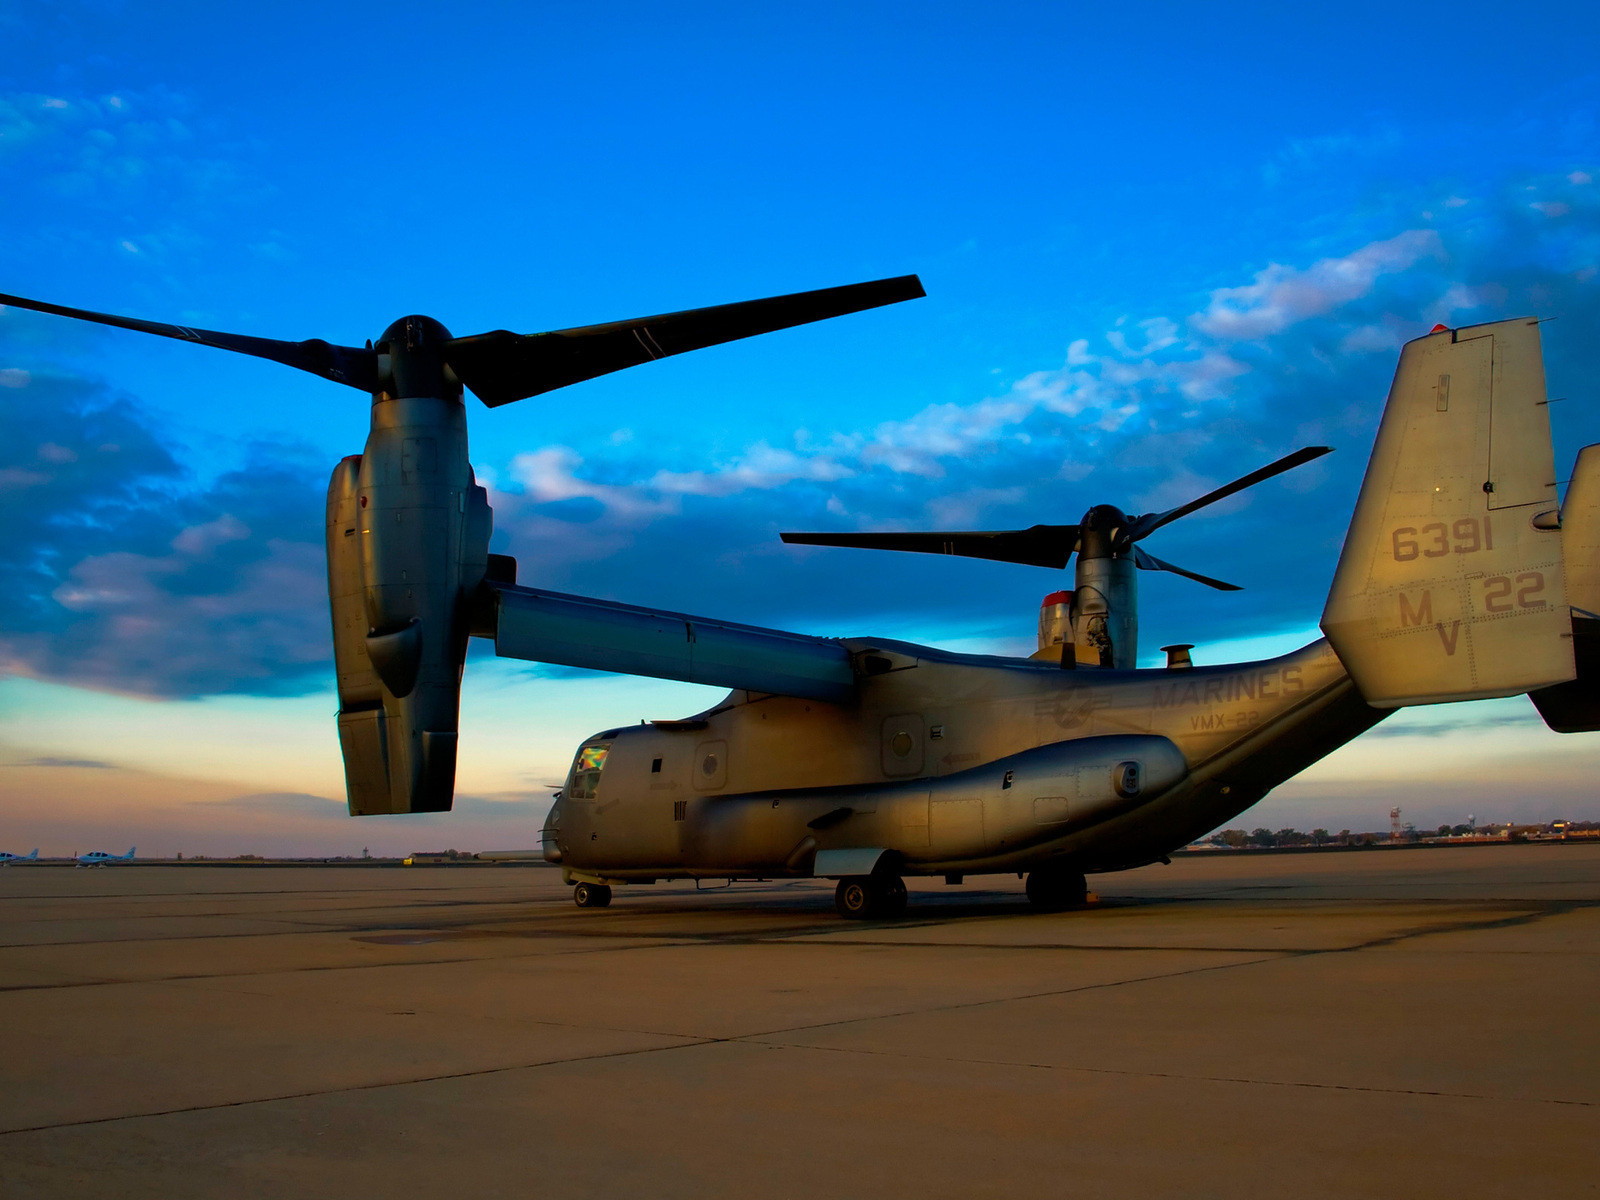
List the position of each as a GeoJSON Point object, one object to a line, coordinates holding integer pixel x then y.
{"type": "Point", "coordinates": [1146, 561]}
{"type": "Point", "coordinates": [1146, 525]}
{"type": "Point", "coordinates": [1037, 546]}
{"type": "Point", "coordinates": [342, 364]}
{"type": "Point", "coordinates": [501, 366]}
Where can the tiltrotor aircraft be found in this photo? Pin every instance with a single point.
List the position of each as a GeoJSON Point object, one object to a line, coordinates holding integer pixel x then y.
{"type": "Point", "coordinates": [865, 759]}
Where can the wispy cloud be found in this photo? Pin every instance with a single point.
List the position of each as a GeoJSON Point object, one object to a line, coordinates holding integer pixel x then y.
{"type": "Point", "coordinates": [134, 575]}
{"type": "Point", "coordinates": [1420, 726]}
{"type": "Point", "coordinates": [1147, 412]}
{"type": "Point", "coordinates": [1240, 346]}
{"type": "Point", "coordinates": [292, 804]}
{"type": "Point", "coordinates": [88, 764]}
{"type": "Point", "coordinates": [128, 573]}
{"type": "Point", "coordinates": [157, 180]}
{"type": "Point", "coordinates": [1281, 296]}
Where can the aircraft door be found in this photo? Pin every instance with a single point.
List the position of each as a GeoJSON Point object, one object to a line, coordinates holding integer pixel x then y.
{"type": "Point", "coordinates": [902, 747]}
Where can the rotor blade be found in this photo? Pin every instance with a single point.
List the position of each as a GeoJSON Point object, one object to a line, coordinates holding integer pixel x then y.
{"type": "Point", "coordinates": [1144, 526]}
{"type": "Point", "coordinates": [342, 364]}
{"type": "Point", "coordinates": [1146, 561]}
{"type": "Point", "coordinates": [1037, 546]}
{"type": "Point", "coordinates": [501, 366]}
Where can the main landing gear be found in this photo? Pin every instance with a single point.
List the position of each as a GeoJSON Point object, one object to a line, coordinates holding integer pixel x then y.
{"type": "Point", "coordinates": [1052, 889]}
{"type": "Point", "coordinates": [863, 897]}
{"type": "Point", "coordinates": [591, 895]}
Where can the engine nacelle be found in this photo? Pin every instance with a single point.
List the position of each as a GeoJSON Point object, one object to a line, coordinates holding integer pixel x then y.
{"type": "Point", "coordinates": [408, 543]}
{"type": "Point", "coordinates": [1105, 612]}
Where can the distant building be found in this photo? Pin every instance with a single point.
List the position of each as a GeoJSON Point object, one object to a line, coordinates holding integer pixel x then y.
{"type": "Point", "coordinates": [421, 857]}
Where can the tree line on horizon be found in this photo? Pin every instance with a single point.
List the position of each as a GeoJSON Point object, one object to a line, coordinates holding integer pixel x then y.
{"type": "Point", "coordinates": [1262, 838]}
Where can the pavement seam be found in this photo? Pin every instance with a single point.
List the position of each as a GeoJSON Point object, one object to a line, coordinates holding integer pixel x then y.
{"type": "Point", "coordinates": [769, 1038]}
{"type": "Point", "coordinates": [829, 928]}
{"type": "Point", "coordinates": [658, 944]}
{"type": "Point", "coordinates": [1263, 956]}
{"type": "Point", "coordinates": [807, 937]}
{"type": "Point", "coordinates": [416, 962]}
{"type": "Point", "coordinates": [686, 1042]}
{"type": "Point", "coordinates": [1540, 912]}
{"type": "Point", "coordinates": [1283, 1083]}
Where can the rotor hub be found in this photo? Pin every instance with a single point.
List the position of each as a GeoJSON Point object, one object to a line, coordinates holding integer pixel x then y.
{"type": "Point", "coordinates": [411, 360]}
{"type": "Point", "coordinates": [1103, 532]}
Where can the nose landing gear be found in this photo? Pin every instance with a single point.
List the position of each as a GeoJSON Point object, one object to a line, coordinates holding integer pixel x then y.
{"type": "Point", "coordinates": [591, 895]}
{"type": "Point", "coordinates": [865, 897]}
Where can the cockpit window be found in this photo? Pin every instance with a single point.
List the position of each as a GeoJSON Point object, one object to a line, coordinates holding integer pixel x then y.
{"type": "Point", "coordinates": [586, 770]}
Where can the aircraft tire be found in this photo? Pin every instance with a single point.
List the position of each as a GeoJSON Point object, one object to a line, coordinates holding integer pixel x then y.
{"type": "Point", "coordinates": [857, 899]}
{"type": "Point", "coordinates": [591, 895]}
{"type": "Point", "coordinates": [1056, 890]}
{"type": "Point", "coordinates": [893, 895]}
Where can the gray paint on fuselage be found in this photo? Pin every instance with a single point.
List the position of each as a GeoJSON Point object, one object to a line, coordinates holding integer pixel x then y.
{"type": "Point", "coordinates": [782, 763]}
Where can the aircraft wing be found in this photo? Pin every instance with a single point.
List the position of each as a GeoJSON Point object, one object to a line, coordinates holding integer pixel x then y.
{"type": "Point", "coordinates": [578, 631]}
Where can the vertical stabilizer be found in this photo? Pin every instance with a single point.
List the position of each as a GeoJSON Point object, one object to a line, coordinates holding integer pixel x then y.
{"type": "Point", "coordinates": [1447, 589]}
{"type": "Point", "coordinates": [1580, 535]}
{"type": "Point", "coordinates": [1575, 707]}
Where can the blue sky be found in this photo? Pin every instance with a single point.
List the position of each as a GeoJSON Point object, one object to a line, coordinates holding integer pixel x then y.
{"type": "Point", "coordinates": [1162, 246]}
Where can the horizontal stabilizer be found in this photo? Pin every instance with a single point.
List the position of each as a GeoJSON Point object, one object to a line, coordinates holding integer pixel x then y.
{"type": "Point", "coordinates": [1451, 583]}
{"type": "Point", "coordinates": [576, 631]}
{"type": "Point", "coordinates": [1574, 706]}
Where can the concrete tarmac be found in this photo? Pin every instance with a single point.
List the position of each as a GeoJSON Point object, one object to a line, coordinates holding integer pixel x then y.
{"type": "Point", "coordinates": [1398, 1023]}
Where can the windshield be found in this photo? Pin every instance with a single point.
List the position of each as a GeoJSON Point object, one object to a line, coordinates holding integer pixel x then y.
{"type": "Point", "coordinates": [586, 770]}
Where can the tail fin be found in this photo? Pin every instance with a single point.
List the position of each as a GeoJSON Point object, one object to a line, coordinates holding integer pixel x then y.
{"type": "Point", "coordinates": [1451, 585]}
{"type": "Point", "coordinates": [129, 854]}
{"type": "Point", "coordinates": [1575, 707]}
{"type": "Point", "coordinates": [32, 857]}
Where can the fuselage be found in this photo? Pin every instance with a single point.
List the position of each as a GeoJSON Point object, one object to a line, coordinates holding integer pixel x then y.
{"type": "Point", "coordinates": [99, 858]}
{"type": "Point", "coordinates": [954, 764]}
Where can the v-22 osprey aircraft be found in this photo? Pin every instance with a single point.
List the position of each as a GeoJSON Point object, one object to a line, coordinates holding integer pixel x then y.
{"type": "Point", "coordinates": [868, 759]}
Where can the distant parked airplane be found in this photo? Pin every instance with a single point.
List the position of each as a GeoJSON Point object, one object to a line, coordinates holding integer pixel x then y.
{"type": "Point", "coordinates": [7, 859]}
{"type": "Point", "coordinates": [99, 858]}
